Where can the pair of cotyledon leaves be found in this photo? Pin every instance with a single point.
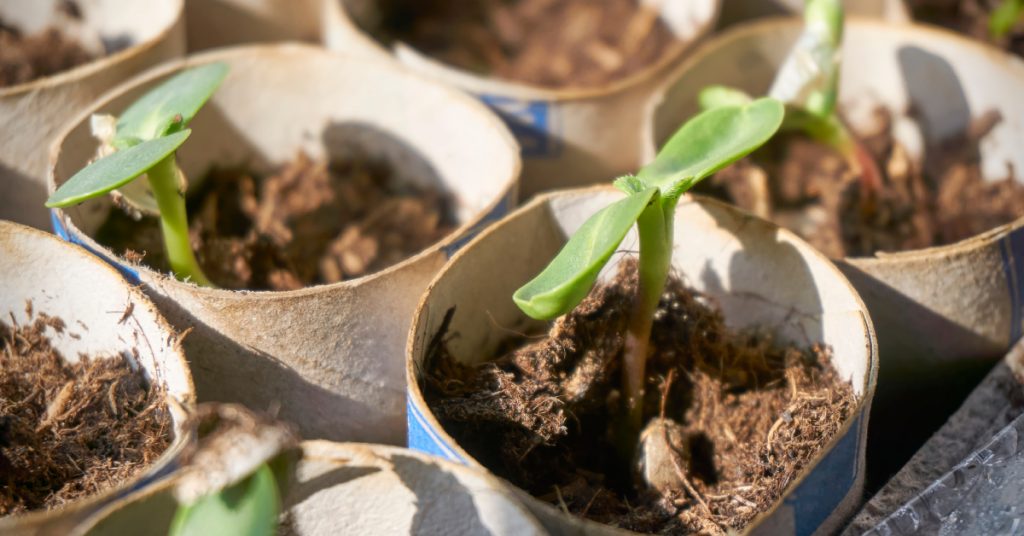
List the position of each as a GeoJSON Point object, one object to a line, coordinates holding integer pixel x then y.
{"type": "Point", "coordinates": [705, 144]}
{"type": "Point", "coordinates": [150, 130]}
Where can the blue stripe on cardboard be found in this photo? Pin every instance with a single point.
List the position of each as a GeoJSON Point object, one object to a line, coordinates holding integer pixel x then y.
{"type": "Point", "coordinates": [499, 211]}
{"type": "Point", "coordinates": [532, 122]}
{"type": "Point", "coordinates": [60, 230]}
{"type": "Point", "coordinates": [827, 485]}
{"type": "Point", "coordinates": [424, 439]}
{"type": "Point", "coordinates": [1011, 248]}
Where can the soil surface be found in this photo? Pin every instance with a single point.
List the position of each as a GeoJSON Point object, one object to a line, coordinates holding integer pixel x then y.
{"type": "Point", "coordinates": [68, 431]}
{"type": "Point", "coordinates": [969, 17]}
{"type": "Point", "coordinates": [24, 58]}
{"type": "Point", "coordinates": [307, 224]}
{"type": "Point", "coordinates": [810, 188]}
{"type": "Point", "coordinates": [549, 43]}
{"type": "Point", "coordinates": [753, 413]}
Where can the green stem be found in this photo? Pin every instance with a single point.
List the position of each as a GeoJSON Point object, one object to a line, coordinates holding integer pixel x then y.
{"type": "Point", "coordinates": [163, 178]}
{"type": "Point", "coordinates": [655, 229]}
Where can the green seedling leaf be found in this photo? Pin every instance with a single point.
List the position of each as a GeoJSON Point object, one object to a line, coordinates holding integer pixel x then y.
{"type": "Point", "coordinates": [629, 184]}
{"type": "Point", "coordinates": [719, 96]}
{"type": "Point", "coordinates": [569, 277]}
{"type": "Point", "coordinates": [710, 141]}
{"type": "Point", "coordinates": [249, 508]}
{"type": "Point", "coordinates": [115, 170]}
{"type": "Point", "coordinates": [170, 106]}
{"type": "Point", "coordinates": [1005, 17]}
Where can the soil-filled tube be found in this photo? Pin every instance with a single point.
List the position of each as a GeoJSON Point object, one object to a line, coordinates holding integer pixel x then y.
{"type": "Point", "coordinates": [330, 355]}
{"type": "Point", "coordinates": [218, 23]}
{"type": "Point", "coordinates": [943, 314]}
{"type": "Point", "coordinates": [352, 488]}
{"type": "Point", "coordinates": [757, 274]}
{"type": "Point", "coordinates": [80, 306]}
{"type": "Point", "coordinates": [124, 36]}
{"type": "Point", "coordinates": [569, 137]}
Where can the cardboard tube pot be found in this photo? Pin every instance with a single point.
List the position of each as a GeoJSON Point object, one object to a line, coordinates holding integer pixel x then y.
{"type": "Point", "coordinates": [569, 137]}
{"type": "Point", "coordinates": [344, 488]}
{"type": "Point", "coordinates": [137, 33]}
{"type": "Point", "coordinates": [329, 355]}
{"type": "Point", "coordinates": [218, 23]}
{"type": "Point", "coordinates": [943, 314]}
{"type": "Point", "coordinates": [65, 281]}
{"type": "Point", "coordinates": [759, 274]}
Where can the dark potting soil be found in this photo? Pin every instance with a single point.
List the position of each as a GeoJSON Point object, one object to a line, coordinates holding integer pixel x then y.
{"type": "Point", "coordinates": [309, 223]}
{"type": "Point", "coordinates": [24, 58]}
{"type": "Point", "coordinates": [969, 17]}
{"type": "Point", "coordinates": [549, 43]}
{"type": "Point", "coordinates": [809, 188]}
{"type": "Point", "coordinates": [753, 413]}
{"type": "Point", "coordinates": [68, 431]}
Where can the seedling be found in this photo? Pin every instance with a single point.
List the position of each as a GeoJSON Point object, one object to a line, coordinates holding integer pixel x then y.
{"type": "Point", "coordinates": [1005, 17]}
{"type": "Point", "coordinates": [248, 508]}
{"type": "Point", "coordinates": [146, 138]}
{"type": "Point", "coordinates": [706, 143]}
{"type": "Point", "coordinates": [808, 82]}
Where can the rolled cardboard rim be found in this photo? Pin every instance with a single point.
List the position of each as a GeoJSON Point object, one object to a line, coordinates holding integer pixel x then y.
{"type": "Point", "coordinates": [92, 328]}
{"type": "Point", "coordinates": [358, 488]}
{"type": "Point", "coordinates": [507, 182]}
{"type": "Point", "coordinates": [384, 485]}
{"type": "Point", "coordinates": [338, 21]}
{"type": "Point", "coordinates": [99, 64]}
{"type": "Point", "coordinates": [426, 432]}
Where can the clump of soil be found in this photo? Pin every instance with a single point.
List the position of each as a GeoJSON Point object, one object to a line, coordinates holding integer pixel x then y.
{"type": "Point", "coordinates": [969, 17]}
{"type": "Point", "coordinates": [550, 43]}
{"type": "Point", "coordinates": [68, 431]}
{"type": "Point", "coordinates": [24, 58]}
{"type": "Point", "coordinates": [307, 224]}
{"type": "Point", "coordinates": [809, 188]}
{"type": "Point", "coordinates": [753, 413]}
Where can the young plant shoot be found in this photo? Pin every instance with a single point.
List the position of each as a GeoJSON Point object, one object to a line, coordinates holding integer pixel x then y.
{"type": "Point", "coordinates": [706, 143]}
{"type": "Point", "coordinates": [247, 508]}
{"type": "Point", "coordinates": [808, 83]}
{"type": "Point", "coordinates": [144, 142]}
{"type": "Point", "coordinates": [1005, 17]}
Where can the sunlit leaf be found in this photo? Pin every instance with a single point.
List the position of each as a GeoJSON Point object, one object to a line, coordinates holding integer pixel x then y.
{"type": "Point", "coordinates": [567, 280]}
{"type": "Point", "coordinates": [249, 508]}
{"type": "Point", "coordinates": [115, 170]}
{"type": "Point", "coordinates": [1005, 17]}
{"type": "Point", "coordinates": [171, 104]}
{"type": "Point", "coordinates": [710, 141]}
{"type": "Point", "coordinates": [718, 96]}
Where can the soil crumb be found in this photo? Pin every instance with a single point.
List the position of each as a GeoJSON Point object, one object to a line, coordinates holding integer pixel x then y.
{"type": "Point", "coordinates": [24, 58]}
{"type": "Point", "coordinates": [753, 413]}
{"type": "Point", "coordinates": [68, 431]}
{"type": "Point", "coordinates": [309, 223]}
{"type": "Point", "coordinates": [969, 17]}
{"type": "Point", "coordinates": [549, 43]}
{"type": "Point", "coordinates": [809, 188]}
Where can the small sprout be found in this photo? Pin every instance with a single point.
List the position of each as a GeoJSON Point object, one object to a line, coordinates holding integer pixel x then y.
{"type": "Point", "coordinates": [705, 144]}
{"type": "Point", "coordinates": [143, 143]}
{"type": "Point", "coordinates": [808, 83]}
{"type": "Point", "coordinates": [248, 508]}
{"type": "Point", "coordinates": [1004, 18]}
